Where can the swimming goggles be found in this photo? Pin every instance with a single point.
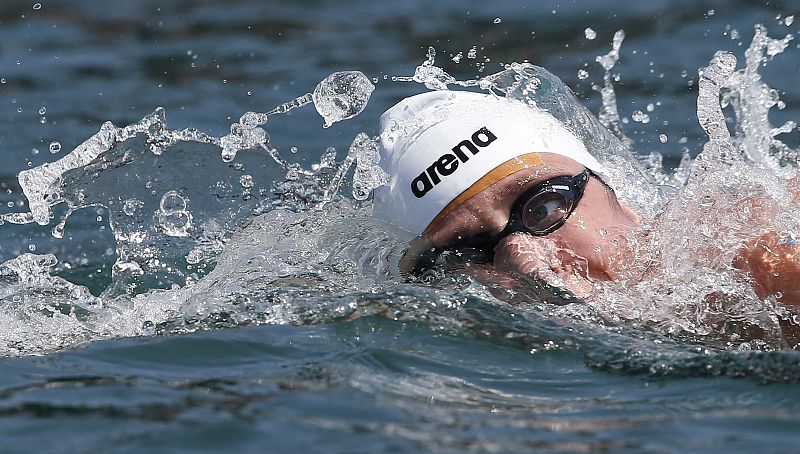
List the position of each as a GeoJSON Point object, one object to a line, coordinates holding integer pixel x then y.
{"type": "Point", "coordinates": [539, 211]}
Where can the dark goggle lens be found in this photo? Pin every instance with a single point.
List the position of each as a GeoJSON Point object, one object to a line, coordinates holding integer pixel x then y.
{"type": "Point", "coordinates": [544, 211]}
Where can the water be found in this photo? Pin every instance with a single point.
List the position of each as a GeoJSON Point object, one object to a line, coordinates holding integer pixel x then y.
{"type": "Point", "coordinates": [190, 282]}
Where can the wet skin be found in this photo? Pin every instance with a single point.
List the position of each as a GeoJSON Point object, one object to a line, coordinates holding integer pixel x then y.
{"type": "Point", "coordinates": [595, 243]}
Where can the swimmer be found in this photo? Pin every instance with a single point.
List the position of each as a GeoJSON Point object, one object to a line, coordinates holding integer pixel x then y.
{"type": "Point", "coordinates": [480, 172]}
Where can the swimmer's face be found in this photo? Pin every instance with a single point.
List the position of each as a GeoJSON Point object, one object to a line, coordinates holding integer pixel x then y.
{"type": "Point", "coordinates": [591, 244]}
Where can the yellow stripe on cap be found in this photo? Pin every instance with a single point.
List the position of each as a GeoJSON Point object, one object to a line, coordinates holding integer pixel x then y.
{"type": "Point", "coordinates": [498, 173]}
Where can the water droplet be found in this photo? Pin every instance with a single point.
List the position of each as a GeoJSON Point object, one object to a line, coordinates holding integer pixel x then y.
{"type": "Point", "coordinates": [43, 120]}
{"type": "Point", "coordinates": [710, 13]}
{"type": "Point", "coordinates": [293, 150]}
{"type": "Point", "coordinates": [589, 33]}
{"type": "Point", "coordinates": [457, 58]}
{"type": "Point", "coordinates": [640, 117]}
{"type": "Point", "coordinates": [789, 20]}
{"type": "Point", "coordinates": [497, 20]}
{"type": "Point", "coordinates": [172, 201]}
{"type": "Point", "coordinates": [55, 147]}
{"type": "Point", "coordinates": [473, 52]}
{"type": "Point", "coordinates": [663, 138]}
{"type": "Point", "coordinates": [173, 217]}
{"type": "Point", "coordinates": [42, 110]}
{"type": "Point", "coordinates": [342, 95]}
{"type": "Point", "coordinates": [650, 107]}
{"type": "Point", "coordinates": [368, 174]}
{"type": "Point", "coordinates": [582, 74]}
{"type": "Point", "coordinates": [31, 247]}
{"type": "Point", "coordinates": [246, 181]}
{"type": "Point", "coordinates": [37, 6]}
{"type": "Point", "coordinates": [194, 257]}
{"type": "Point", "coordinates": [130, 206]}
{"type": "Point", "coordinates": [35, 151]}
{"type": "Point", "coordinates": [251, 119]}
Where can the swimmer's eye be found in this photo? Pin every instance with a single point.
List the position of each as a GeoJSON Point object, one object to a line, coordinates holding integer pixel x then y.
{"type": "Point", "coordinates": [545, 207]}
{"type": "Point", "coordinates": [544, 211]}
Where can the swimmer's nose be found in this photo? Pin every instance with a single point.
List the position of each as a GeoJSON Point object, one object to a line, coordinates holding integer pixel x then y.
{"type": "Point", "coordinates": [494, 221]}
{"type": "Point", "coordinates": [523, 254]}
{"type": "Point", "coordinates": [541, 258]}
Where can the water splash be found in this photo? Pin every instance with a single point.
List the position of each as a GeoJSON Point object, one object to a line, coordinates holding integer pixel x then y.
{"type": "Point", "coordinates": [163, 239]}
{"type": "Point", "coordinates": [735, 191]}
{"type": "Point", "coordinates": [609, 114]}
{"type": "Point", "coordinates": [340, 96]}
{"type": "Point", "coordinates": [719, 149]}
{"type": "Point", "coordinates": [368, 175]}
{"type": "Point", "coordinates": [751, 100]}
{"type": "Point", "coordinates": [434, 77]}
{"type": "Point", "coordinates": [42, 313]}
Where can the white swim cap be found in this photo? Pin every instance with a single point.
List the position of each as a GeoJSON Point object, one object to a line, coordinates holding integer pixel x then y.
{"type": "Point", "coordinates": [435, 146]}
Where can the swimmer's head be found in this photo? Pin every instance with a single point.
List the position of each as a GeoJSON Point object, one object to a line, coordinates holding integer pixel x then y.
{"type": "Point", "coordinates": [442, 148]}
